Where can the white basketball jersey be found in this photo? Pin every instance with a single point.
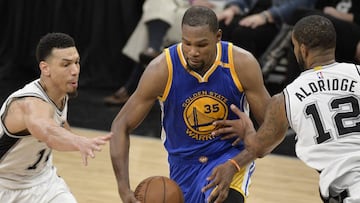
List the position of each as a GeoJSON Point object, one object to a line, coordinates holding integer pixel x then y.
{"type": "Point", "coordinates": [322, 107]}
{"type": "Point", "coordinates": [24, 160]}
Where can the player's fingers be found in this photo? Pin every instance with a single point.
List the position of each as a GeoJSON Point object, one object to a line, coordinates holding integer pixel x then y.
{"type": "Point", "coordinates": [243, 116]}
{"type": "Point", "coordinates": [220, 131]}
{"type": "Point", "coordinates": [100, 142]}
{"type": "Point", "coordinates": [107, 136]}
{"type": "Point", "coordinates": [96, 148]}
{"type": "Point", "coordinates": [236, 142]}
{"type": "Point", "coordinates": [219, 123]}
{"type": "Point", "coordinates": [222, 195]}
{"type": "Point", "coordinates": [236, 110]}
{"type": "Point", "coordinates": [91, 153]}
{"type": "Point", "coordinates": [210, 185]}
{"type": "Point", "coordinates": [229, 136]}
{"type": "Point", "coordinates": [213, 194]}
{"type": "Point", "coordinates": [84, 159]}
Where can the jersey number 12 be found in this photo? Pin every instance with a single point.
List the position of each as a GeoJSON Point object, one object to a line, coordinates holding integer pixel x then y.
{"type": "Point", "coordinates": [351, 114]}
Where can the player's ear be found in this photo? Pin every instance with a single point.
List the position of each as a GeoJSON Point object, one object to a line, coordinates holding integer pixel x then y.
{"type": "Point", "coordinates": [219, 35]}
{"type": "Point", "coordinates": [44, 68]}
{"type": "Point", "coordinates": [303, 50]}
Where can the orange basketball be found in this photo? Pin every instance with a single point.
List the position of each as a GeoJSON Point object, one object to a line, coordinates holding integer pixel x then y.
{"type": "Point", "coordinates": [158, 189]}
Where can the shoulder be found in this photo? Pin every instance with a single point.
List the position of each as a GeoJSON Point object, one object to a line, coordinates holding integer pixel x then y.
{"type": "Point", "coordinates": [244, 62]}
{"type": "Point", "coordinates": [155, 77]}
{"type": "Point", "coordinates": [243, 58]}
{"type": "Point", "coordinates": [158, 66]}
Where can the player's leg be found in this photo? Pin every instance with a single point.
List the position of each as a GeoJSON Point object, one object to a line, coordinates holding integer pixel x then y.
{"type": "Point", "coordinates": [7, 195]}
{"type": "Point", "coordinates": [65, 197]}
{"type": "Point", "coordinates": [234, 196]}
{"type": "Point", "coordinates": [58, 192]}
{"type": "Point", "coordinates": [239, 187]}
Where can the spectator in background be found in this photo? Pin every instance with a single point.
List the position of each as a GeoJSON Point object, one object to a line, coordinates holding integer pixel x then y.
{"type": "Point", "coordinates": [253, 24]}
{"type": "Point", "coordinates": [159, 26]}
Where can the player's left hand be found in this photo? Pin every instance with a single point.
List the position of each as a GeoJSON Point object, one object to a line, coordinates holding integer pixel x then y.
{"type": "Point", "coordinates": [220, 180]}
{"type": "Point", "coordinates": [233, 128]}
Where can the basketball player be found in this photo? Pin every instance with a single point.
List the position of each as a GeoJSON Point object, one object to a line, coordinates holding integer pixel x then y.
{"type": "Point", "coordinates": [195, 82]}
{"type": "Point", "coordinates": [322, 106]}
{"type": "Point", "coordinates": [33, 123]}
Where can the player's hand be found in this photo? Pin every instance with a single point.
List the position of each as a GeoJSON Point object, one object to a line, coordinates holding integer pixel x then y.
{"type": "Point", "coordinates": [130, 198]}
{"type": "Point", "coordinates": [238, 128]}
{"type": "Point", "coordinates": [87, 146]}
{"type": "Point", "coordinates": [220, 180]}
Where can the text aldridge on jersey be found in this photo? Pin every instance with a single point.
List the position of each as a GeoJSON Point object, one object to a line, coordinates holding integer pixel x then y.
{"type": "Point", "coordinates": [325, 85]}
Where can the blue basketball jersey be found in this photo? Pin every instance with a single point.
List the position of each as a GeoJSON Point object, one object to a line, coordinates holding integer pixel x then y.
{"type": "Point", "coordinates": [192, 102]}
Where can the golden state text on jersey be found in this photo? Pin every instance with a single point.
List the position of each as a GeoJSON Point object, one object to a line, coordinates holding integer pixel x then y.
{"type": "Point", "coordinates": [200, 110]}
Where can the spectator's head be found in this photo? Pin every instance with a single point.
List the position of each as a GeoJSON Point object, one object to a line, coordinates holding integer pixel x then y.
{"type": "Point", "coordinates": [313, 36]}
{"type": "Point", "coordinates": [200, 35]}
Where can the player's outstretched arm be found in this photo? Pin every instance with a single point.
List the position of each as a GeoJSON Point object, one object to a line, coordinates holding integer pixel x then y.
{"type": "Point", "coordinates": [37, 118]}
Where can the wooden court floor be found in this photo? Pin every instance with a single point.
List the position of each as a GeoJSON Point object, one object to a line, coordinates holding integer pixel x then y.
{"type": "Point", "coordinates": [277, 179]}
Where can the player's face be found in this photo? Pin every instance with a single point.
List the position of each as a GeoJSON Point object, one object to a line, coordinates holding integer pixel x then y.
{"type": "Point", "coordinates": [199, 46]}
{"type": "Point", "coordinates": [298, 54]}
{"type": "Point", "coordinates": [64, 69]}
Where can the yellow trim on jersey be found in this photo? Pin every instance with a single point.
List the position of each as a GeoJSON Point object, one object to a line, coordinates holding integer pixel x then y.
{"type": "Point", "coordinates": [170, 75]}
{"type": "Point", "coordinates": [211, 69]}
{"type": "Point", "coordinates": [317, 68]}
{"type": "Point", "coordinates": [232, 68]}
{"type": "Point", "coordinates": [238, 181]}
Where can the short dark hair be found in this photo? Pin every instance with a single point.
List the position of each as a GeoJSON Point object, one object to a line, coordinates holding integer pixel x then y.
{"type": "Point", "coordinates": [199, 16]}
{"type": "Point", "coordinates": [50, 41]}
{"type": "Point", "coordinates": [315, 32]}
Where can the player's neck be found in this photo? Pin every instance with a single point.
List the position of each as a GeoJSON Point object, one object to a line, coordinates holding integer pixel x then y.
{"type": "Point", "coordinates": [57, 99]}
{"type": "Point", "coordinates": [321, 59]}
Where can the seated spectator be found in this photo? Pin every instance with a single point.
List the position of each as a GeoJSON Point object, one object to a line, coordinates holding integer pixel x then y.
{"type": "Point", "coordinates": [255, 27]}
{"type": "Point", "coordinates": [160, 25]}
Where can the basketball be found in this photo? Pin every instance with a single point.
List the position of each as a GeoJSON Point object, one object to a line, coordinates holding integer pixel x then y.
{"type": "Point", "coordinates": [158, 189]}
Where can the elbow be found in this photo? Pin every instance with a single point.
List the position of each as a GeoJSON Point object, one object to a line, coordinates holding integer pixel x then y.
{"type": "Point", "coordinates": [259, 151]}
{"type": "Point", "coordinates": [262, 154]}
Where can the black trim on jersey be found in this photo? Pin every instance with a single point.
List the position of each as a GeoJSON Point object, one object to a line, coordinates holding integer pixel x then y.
{"type": "Point", "coordinates": [287, 106]}
{"type": "Point", "coordinates": [234, 196]}
{"type": "Point", "coordinates": [58, 111]}
{"type": "Point", "coordinates": [336, 199]}
{"type": "Point", "coordinates": [357, 68]}
{"type": "Point", "coordinates": [6, 143]}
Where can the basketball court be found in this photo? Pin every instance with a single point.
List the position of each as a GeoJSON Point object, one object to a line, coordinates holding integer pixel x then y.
{"type": "Point", "coordinates": [277, 178]}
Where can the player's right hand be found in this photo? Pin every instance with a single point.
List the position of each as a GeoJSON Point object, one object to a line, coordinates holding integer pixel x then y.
{"type": "Point", "coordinates": [87, 146]}
{"type": "Point", "coordinates": [130, 198]}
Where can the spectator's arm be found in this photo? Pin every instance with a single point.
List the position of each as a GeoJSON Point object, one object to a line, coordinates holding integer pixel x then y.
{"type": "Point", "coordinates": [281, 13]}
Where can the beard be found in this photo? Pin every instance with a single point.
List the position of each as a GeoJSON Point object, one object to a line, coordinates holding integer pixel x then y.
{"type": "Point", "coordinates": [194, 68]}
{"type": "Point", "coordinates": [301, 63]}
{"type": "Point", "coordinates": [73, 94]}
